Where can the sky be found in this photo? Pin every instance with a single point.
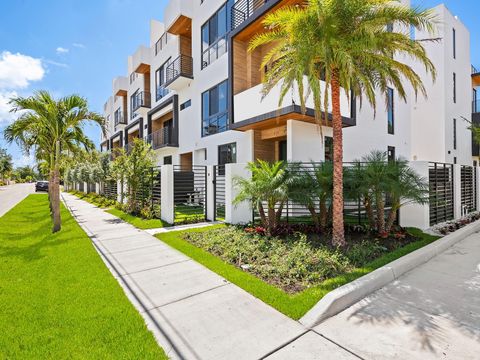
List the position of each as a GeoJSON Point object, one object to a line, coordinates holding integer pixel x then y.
{"type": "Point", "coordinates": [79, 46]}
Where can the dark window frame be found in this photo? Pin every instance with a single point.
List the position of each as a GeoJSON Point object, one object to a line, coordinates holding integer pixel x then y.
{"type": "Point", "coordinates": [454, 88]}
{"type": "Point", "coordinates": [391, 111]}
{"type": "Point", "coordinates": [454, 134]}
{"type": "Point", "coordinates": [219, 114]}
{"type": "Point", "coordinates": [216, 42]}
{"type": "Point", "coordinates": [454, 34]}
{"type": "Point", "coordinates": [162, 78]}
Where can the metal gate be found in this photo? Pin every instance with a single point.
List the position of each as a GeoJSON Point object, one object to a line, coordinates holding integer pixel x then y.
{"type": "Point", "coordinates": [81, 186]}
{"type": "Point", "coordinates": [219, 192]}
{"type": "Point", "coordinates": [189, 193]}
{"type": "Point", "coordinates": [468, 189]}
{"type": "Point", "coordinates": [110, 190]}
{"type": "Point", "coordinates": [91, 188]}
{"type": "Point", "coordinates": [441, 192]}
{"type": "Point", "coordinates": [156, 190]}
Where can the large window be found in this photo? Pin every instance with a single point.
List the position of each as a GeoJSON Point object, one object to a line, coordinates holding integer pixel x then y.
{"type": "Point", "coordinates": [160, 79]}
{"type": "Point", "coordinates": [214, 109]}
{"type": "Point", "coordinates": [454, 34]}
{"type": "Point", "coordinates": [214, 37]}
{"type": "Point", "coordinates": [391, 112]}
{"type": "Point", "coordinates": [134, 104]}
{"type": "Point", "coordinates": [454, 134]}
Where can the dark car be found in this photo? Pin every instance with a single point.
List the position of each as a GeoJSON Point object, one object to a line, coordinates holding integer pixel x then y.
{"type": "Point", "coordinates": [41, 186]}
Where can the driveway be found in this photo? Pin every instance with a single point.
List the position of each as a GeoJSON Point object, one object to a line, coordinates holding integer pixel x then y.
{"type": "Point", "coordinates": [11, 195]}
{"type": "Point", "coordinates": [432, 312]}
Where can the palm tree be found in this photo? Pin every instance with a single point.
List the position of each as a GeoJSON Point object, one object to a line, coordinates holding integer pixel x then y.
{"type": "Point", "coordinates": [51, 128]}
{"type": "Point", "coordinates": [6, 165]}
{"type": "Point", "coordinates": [351, 45]}
{"type": "Point", "coordinates": [269, 185]}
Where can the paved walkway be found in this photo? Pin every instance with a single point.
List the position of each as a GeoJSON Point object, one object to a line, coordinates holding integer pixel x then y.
{"type": "Point", "coordinates": [193, 312]}
{"type": "Point", "coordinates": [11, 195]}
{"type": "Point", "coordinates": [432, 312]}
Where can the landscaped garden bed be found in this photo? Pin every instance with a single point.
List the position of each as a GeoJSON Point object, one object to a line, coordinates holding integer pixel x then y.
{"type": "Point", "coordinates": [293, 272]}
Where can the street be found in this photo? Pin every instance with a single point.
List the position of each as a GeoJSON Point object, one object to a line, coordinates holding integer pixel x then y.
{"type": "Point", "coordinates": [11, 195]}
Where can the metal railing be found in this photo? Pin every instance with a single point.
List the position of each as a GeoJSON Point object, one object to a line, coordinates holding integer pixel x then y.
{"type": "Point", "coordinates": [161, 92]}
{"type": "Point", "coordinates": [160, 138]}
{"type": "Point", "coordinates": [468, 189]}
{"type": "Point", "coordinates": [219, 192]}
{"type": "Point", "coordinates": [214, 51]}
{"type": "Point", "coordinates": [475, 106]}
{"type": "Point", "coordinates": [142, 99]}
{"type": "Point", "coordinates": [243, 9]}
{"type": "Point", "coordinates": [119, 118]}
{"type": "Point", "coordinates": [190, 193]}
{"type": "Point", "coordinates": [181, 66]}
{"type": "Point", "coordinates": [441, 184]}
{"type": "Point", "coordinates": [475, 70]}
{"type": "Point", "coordinates": [161, 43]}
{"type": "Point", "coordinates": [215, 124]}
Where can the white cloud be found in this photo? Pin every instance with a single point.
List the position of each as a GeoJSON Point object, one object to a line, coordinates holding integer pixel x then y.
{"type": "Point", "coordinates": [17, 70]}
{"type": "Point", "coordinates": [61, 50]}
{"type": "Point", "coordinates": [5, 115]}
{"type": "Point", "coordinates": [55, 63]}
{"type": "Point", "coordinates": [79, 45]}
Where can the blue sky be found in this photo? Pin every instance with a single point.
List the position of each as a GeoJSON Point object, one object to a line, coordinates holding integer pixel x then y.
{"type": "Point", "coordinates": [79, 46]}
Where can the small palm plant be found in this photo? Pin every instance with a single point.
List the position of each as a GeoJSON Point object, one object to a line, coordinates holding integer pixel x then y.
{"type": "Point", "coordinates": [313, 189]}
{"type": "Point", "coordinates": [267, 190]}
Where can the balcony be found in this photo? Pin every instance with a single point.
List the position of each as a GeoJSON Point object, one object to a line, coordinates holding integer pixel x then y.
{"type": "Point", "coordinates": [161, 43]}
{"type": "Point", "coordinates": [162, 138]}
{"type": "Point", "coordinates": [142, 99]}
{"type": "Point", "coordinates": [141, 60]}
{"type": "Point", "coordinates": [243, 9]}
{"type": "Point", "coordinates": [254, 110]}
{"type": "Point", "coordinates": [475, 76]}
{"type": "Point", "coordinates": [120, 119]}
{"type": "Point", "coordinates": [178, 17]}
{"type": "Point", "coordinates": [161, 92]}
{"type": "Point", "coordinates": [120, 86]}
{"type": "Point", "coordinates": [179, 73]}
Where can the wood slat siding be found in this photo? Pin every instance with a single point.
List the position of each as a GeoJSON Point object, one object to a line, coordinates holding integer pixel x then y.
{"type": "Point", "coordinates": [263, 149]}
{"type": "Point", "coordinates": [157, 124]}
{"type": "Point", "coordinates": [185, 45]}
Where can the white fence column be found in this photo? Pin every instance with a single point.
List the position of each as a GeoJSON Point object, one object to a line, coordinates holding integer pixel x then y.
{"type": "Point", "coordinates": [210, 199]}
{"type": "Point", "coordinates": [477, 186]}
{"type": "Point", "coordinates": [240, 213]}
{"type": "Point", "coordinates": [457, 191]}
{"type": "Point", "coordinates": [85, 187]}
{"type": "Point", "coordinates": [167, 203]}
{"type": "Point", "coordinates": [119, 191]}
{"type": "Point", "coordinates": [417, 215]}
{"type": "Point", "coordinates": [97, 188]}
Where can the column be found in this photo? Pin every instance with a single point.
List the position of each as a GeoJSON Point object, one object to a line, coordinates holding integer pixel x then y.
{"type": "Point", "coordinates": [240, 213]}
{"type": "Point", "coordinates": [167, 202]}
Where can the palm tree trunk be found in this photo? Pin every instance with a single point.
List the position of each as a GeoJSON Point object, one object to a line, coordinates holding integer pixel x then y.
{"type": "Point", "coordinates": [271, 220]}
{"type": "Point", "coordinates": [57, 222]}
{"type": "Point", "coordinates": [338, 238]}
{"type": "Point", "coordinates": [392, 216]}
{"type": "Point", "coordinates": [369, 210]}
{"type": "Point", "coordinates": [278, 216]}
{"type": "Point", "coordinates": [315, 218]}
{"type": "Point", "coordinates": [261, 212]}
{"type": "Point", "coordinates": [380, 214]}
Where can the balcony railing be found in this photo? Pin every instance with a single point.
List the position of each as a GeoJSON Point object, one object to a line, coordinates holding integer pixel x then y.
{"type": "Point", "coordinates": [120, 119]}
{"type": "Point", "coordinates": [243, 9]}
{"type": "Point", "coordinates": [161, 138]}
{"type": "Point", "coordinates": [475, 70]}
{"type": "Point", "coordinates": [181, 66]}
{"type": "Point", "coordinates": [143, 99]}
{"type": "Point", "coordinates": [214, 51]}
{"type": "Point", "coordinates": [161, 43]}
{"type": "Point", "coordinates": [161, 92]}
{"type": "Point", "coordinates": [475, 106]}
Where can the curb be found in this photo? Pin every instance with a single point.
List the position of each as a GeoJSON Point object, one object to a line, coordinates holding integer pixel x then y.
{"type": "Point", "coordinates": [347, 295]}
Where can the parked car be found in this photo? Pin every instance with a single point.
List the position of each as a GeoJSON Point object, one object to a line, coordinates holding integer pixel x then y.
{"type": "Point", "coordinates": [41, 186]}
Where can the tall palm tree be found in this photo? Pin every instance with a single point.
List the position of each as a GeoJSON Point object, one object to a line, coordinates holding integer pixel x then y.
{"type": "Point", "coordinates": [352, 46]}
{"type": "Point", "coordinates": [51, 128]}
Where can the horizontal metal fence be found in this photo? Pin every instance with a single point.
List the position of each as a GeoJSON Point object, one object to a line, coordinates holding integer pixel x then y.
{"type": "Point", "coordinates": [190, 193]}
{"type": "Point", "coordinates": [81, 186]}
{"type": "Point", "coordinates": [440, 179]}
{"type": "Point", "coordinates": [219, 191]}
{"type": "Point", "coordinates": [156, 192]}
{"type": "Point", "coordinates": [468, 189]}
{"type": "Point", "coordinates": [110, 189]}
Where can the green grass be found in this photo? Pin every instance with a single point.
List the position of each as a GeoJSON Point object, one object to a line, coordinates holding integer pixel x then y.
{"type": "Point", "coordinates": [294, 306]}
{"type": "Point", "coordinates": [138, 221]}
{"type": "Point", "coordinates": [57, 298]}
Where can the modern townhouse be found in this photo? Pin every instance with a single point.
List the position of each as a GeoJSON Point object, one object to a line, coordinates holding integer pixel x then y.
{"type": "Point", "coordinates": [195, 94]}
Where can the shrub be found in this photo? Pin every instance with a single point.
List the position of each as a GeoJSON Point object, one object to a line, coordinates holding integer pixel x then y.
{"type": "Point", "coordinates": [362, 253]}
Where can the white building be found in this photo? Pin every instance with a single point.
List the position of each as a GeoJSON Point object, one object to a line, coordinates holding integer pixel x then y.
{"type": "Point", "coordinates": [194, 93]}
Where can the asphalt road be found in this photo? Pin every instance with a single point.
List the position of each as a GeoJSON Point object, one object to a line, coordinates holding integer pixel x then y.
{"type": "Point", "coordinates": [11, 195]}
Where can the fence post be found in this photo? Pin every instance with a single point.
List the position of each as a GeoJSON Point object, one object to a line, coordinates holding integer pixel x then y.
{"type": "Point", "coordinates": [97, 188]}
{"type": "Point", "coordinates": [167, 188]}
{"type": "Point", "coordinates": [240, 213]}
{"type": "Point", "coordinates": [457, 191]}
{"type": "Point", "coordinates": [210, 193]}
{"type": "Point", "coordinates": [417, 215]}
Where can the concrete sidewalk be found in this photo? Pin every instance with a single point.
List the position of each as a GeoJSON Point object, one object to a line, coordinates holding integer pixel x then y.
{"type": "Point", "coordinates": [193, 312]}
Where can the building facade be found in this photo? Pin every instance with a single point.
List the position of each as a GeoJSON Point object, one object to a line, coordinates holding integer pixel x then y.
{"type": "Point", "coordinates": [194, 93]}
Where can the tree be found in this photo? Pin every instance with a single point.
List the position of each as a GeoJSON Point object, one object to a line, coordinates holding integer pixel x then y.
{"type": "Point", "coordinates": [269, 186]}
{"type": "Point", "coordinates": [377, 181]}
{"type": "Point", "coordinates": [118, 169]}
{"type": "Point", "coordinates": [6, 165]}
{"type": "Point", "coordinates": [51, 127]}
{"type": "Point", "coordinates": [351, 45]}
{"type": "Point", "coordinates": [313, 189]}
{"type": "Point", "coordinates": [25, 171]}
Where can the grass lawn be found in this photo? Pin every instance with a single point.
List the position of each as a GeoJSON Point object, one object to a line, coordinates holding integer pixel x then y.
{"type": "Point", "coordinates": [57, 298]}
{"type": "Point", "coordinates": [138, 221]}
{"type": "Point", "coordinates": [292, 305]}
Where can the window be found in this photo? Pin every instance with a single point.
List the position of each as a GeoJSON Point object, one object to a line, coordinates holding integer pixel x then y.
{"type": "Point", "coordinates": [227, 154]}
{"type": "Point", "coordinates": [214, 37]}
{"type": "Point", "coordinates": [134, 103]}
{"type": "Point", "coordinates": [214, 110]}
{"type": "Point", "coordinates": [282, 150]}
{"type": "Point", "coordinates": [133, 76]}
{"type": "Point", "coordinates": [328, 148]}
{"type": "Point", "coordinates": [454, 33]}
{"type": "Point", "coordinates": [475, 107]}
{"type": "Point", "coordinates": [160, 79]}
{"type": "Point", "coordinates": [167, 160]}
{"type": "Point", "coordinates": [455, 160]}
{"type": "Point", "coordinates": [454, 134]}
{"type": "Point", "coordinates": [391, 112]}
{"type": "Point", "coordinates": [454, 88]}
{"type": "Point", "coordinates": [391, 153]}
{"type": "Point", "coordinates": [185, 105]}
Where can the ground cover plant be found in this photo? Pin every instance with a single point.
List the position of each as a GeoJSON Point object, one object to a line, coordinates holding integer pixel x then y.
{"type": "Point", "coordinates": [58, 299]}
{"type": "Point", "coordinates": [290, 273]}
